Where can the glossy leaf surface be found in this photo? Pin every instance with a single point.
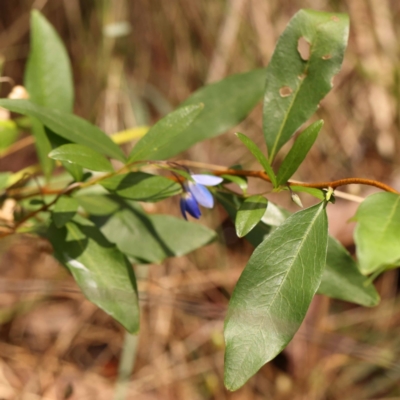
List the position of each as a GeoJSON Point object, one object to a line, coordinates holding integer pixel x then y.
{"type": "Point", "coordinates": [226, 103]}
{"type": "Point", "coordinates": [48, 76]}
{"type": "Point", "coordinates": [377, 234]}
{"type": "Point", "coordinates": [249, 214]}
{"type": "Point", "coordinates": [298, 152]}
{"type": "Point", "coordinates": [273, 293]}
{"type": "Point", "coordinates": [141, 186]}
{"type": "Point", "coordinates": [152, 238]}
{"type": "Point", "coordinates": [68, 126]}
{"type": "Point", "coordinates": [160, 141]}
{"type": "Point", "coordinates": [295, 86]}
{"type": "Point", "coordinates": [342, 279]}
{"type": "Point", "coordinates": [83, 156]}
{"type": "Point", "coordinates": [103, 273]}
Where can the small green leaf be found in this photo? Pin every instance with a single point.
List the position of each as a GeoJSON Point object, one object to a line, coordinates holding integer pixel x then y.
{"type": "Point", "coordinates": [296, 83]}
{"type": "Point", "coordinates": [377, 234]}
{"type": "Point", "coordinates": [342, 279]}
{"type": "Point", "coordinates": [43, 147]}
{"type": "Point", "coordinates": [226, 103]}
{"type": "Point", "coordinates": [249, 214]}
{"type": "Point", "coordinates": [64, 210]}
{"type": "Point", "coordinates": [102, 272]}
{"type": "Point", "coordinates": [68, 126]}
{"type": "Point", "coordinates": [298, 152]}
{"type": "Point", "coordinates": [273, 293]}
{"type": "Point", "coordinates": [83, 156]}
{"type": "Point", "coordinates": [241, 181]}
{"type": "Point", "coordinates": [75, 170]}
{"type": "Point", "coordinates": [48, 76]}
{"type": "Point", "coordinates": [8, 133]}
{"type": "Point", "coordinates": [160, 141]}
{"type": "Point", "coordinates": [231, 204]}
{"type": "Point", "coordinates": [259, 156]}
{"type": "Point", "coordinates": [152, 238]}
{"type": "Point", "coordinates": [318, 193]}
{"type": "Point", "coordinates": [141, 186]}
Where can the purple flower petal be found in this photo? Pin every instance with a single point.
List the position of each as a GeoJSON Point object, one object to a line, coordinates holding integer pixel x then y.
{"type": "Point", "coordinates": [189, 204]}
{"type": "Point", "coordinates": [207, 180]}
{"type": "Point", "coordinates": [201, 194]}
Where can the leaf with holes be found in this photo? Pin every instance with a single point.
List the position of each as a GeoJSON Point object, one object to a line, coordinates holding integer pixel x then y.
{"type": "Point", "coordinates": [377, 234]}
{"type": "Point", "coordinates": [273, 293]}
{"type": "Point", "coordinates": [296, 83]}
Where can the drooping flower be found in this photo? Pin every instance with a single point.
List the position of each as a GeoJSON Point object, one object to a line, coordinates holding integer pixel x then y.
{"type": "Point", "coordinates": [196, 193]}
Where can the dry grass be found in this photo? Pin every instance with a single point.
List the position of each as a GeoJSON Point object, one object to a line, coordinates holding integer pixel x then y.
{"type": "Point", "coordinates": [56, 345]}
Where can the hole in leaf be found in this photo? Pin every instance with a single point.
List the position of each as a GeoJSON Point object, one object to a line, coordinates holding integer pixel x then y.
{"type": "Point", "coordinates": [285, 91]}
{"type": "Point", "coordinates": [326, 56]}
{"type": "Point", "coordinates": [335, 18]}
{"type": "Point", "coordinates": [303, 47]}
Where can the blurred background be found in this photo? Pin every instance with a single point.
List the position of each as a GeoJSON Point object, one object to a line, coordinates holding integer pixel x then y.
{"type": "Point", "coordinates": [133, 62]}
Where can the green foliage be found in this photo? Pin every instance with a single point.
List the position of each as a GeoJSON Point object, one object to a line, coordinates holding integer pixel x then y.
{"type": "Point", "coordinates": [295, 86]}
{"type": "Point", "coordinates": [68, 126]}
{"type": "Point", "coordinates": [249, 214]}
{"type": "Point", "coordinates": [273, 293]}
{"type": "Point", "coordinates": [342, 279]}
{"type": "Point", "coordinates": [377, 234]}
{"type": "Point", "coordinates": [103, 273]}
{"type": "Point", "coordinates": [83, 156]}
{"type": "Point", "coordinates": [159, 142]}
{"type": "Point", "coordinates": [141, 186]}
{"type": "Point", "coordinates": [98, 229]}
{"type": "Point", "coordinates": [152, 238]}
{"type": "Point", "coordinates": [226, 103]}
{"type": "Point", "coordinates": [298, 152]}
{"type": "Point", "coordinates": [259, 156]}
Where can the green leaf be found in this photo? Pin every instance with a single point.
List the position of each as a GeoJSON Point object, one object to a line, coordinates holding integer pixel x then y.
{"type": "Point", "coordinates": [64, 210]}
{"type": "Point", "coordinates": [68, 126]}
{"type": "Point", "coordinates": [99, 205]}
{"type": "Point", "coordinates": [377, 234]}
{"type": "Point", "coordinates": [43, 147]}
{"type": "Point", "coordinates": [160, 141]}
{"type": "Point", "coordinates": [273, 293]}
{"type": "Point", "coordinates": [141, 186]}
{"type": "Point", "coordinates": [231, 204]}
{"type": "Point", "coordinates": [75, 170]}
{"type": "Point", "coordinates": [48, 76]}
{"type": "Point", "coordinates": [241, 181]}
{"type": "Point", "coordinates": [342, 279]}
{"type": "Point", "coordinates": [226, 103]}
{"type": "Point", "coordinates": [249, 214]}
{"type": "Point", "coordinates": [259, 156]}
{"type": "Point", "coordinates": [152, 238]}
{"type": "Point", "coordinates": [83, 156]}
{"type": "Point", "coordinates": [8, 133]}
{"type": "Point", "coordinates": [295, 86]}
{"type": "Point", "coordinates": [318, 193]}
{"type": "Point", "coordinates": [298, 152]}
{"type": "Point", "coordinates": [103, 273]}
